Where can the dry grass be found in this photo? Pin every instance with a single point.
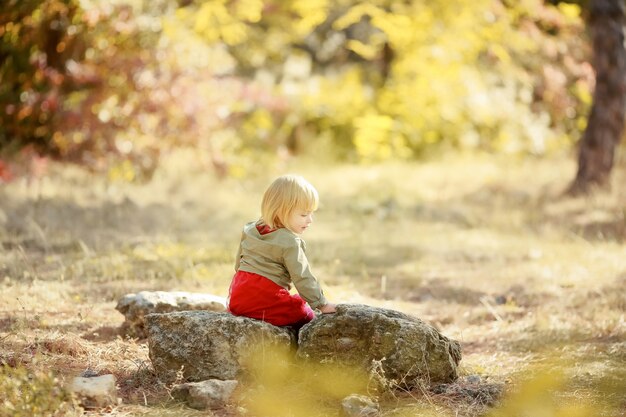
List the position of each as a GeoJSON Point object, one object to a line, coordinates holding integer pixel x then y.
{"type": "Point", "coordinates": [487, 249]}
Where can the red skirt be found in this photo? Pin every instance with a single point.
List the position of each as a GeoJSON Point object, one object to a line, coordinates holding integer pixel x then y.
{"type": "Point", "coordinates": [252, 295]}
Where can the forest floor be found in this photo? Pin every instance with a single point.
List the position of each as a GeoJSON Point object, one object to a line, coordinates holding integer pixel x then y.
{"type": "Point", "coordinates": [487, 249]}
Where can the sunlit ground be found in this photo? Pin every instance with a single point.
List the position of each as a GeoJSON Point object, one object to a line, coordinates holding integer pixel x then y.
{"type": "Point", "coordinates": [485, 248]}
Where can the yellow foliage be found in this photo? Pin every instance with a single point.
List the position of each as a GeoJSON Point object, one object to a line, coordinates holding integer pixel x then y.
{"type": "Point", "coordinates": [453, 73]}
{"type": "Point", "coordinates": [366, 51]}
{"type": "Point", "coordinates": [355, 14]}
{"type": "Point", "coordinates": [541, 395]}
{"type": "Point", "coordinates": [571, 11]}
{"type": "Point", "coordinates": [33, 394]}
{"type": "Point", "coordinates": [123, 171]}
{"type": "Point", "coordinates": [583, 93]}
{"type": "Point", "coordinates": [216, 22]}
{"type": "Point", "coordinates": [280, 385]}
{"type": "Point", "coordinates": [399, 29]}
{"type": "Point", "coordinates": [376, 138]}
{"type": "Point", "coordinates": [259, 124]}
{"type": "Point", "coordinates": [341, 98]}
{"type": "Point", "coordinates": [312, 13]}
{"type": "Point", "coordinates": [502, 54]}
{"type": "Point", "coordinates": [249, 10]}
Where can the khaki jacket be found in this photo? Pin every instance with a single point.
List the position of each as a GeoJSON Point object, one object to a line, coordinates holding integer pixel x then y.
{"type": "Point", "coordinates": [280, 257]}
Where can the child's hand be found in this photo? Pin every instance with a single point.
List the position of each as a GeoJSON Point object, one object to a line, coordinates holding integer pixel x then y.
{"type": "Point", "coordinates": [328, 308]}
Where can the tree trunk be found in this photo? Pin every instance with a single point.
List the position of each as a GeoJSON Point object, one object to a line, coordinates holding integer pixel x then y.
{"type": "Point", "coordinates": [605, 126]}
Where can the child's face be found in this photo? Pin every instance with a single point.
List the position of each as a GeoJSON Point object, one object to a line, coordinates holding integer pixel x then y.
{"type": "Point", "coordinates": [299, 220]}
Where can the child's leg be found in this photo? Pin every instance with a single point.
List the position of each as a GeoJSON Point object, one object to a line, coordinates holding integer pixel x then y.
{"type": "Point", "coordinates": [308, 313]}
{"type": "Point", "coordinates": [252, 295]}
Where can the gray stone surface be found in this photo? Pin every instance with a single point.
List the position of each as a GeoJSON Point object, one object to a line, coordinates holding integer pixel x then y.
{"type": "Point", "coordinates": [208, 345]}
{"type": "Point", "coordinates": [405, 349]}
{"type": "Point", "coordinates": [135, 307]}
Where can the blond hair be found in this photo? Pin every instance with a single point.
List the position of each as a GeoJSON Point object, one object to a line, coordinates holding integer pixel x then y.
{"type": "Point", "coordinates": [286, 194]}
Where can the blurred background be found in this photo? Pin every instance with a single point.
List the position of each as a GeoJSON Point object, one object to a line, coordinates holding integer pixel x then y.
{"type": "Point", "coordinates": [116, 86]}
{"type": "Point", "coordinates": [137, 137]}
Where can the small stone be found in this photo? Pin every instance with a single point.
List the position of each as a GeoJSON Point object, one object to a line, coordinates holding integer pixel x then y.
{"type": "Point", "coordinates": [89, 373]}
{"type": "Point", "coordinates": [472, 379]}
{"type": "Point", "coordinates": [211, 394]}
{"type": "Point", "coordinates": [95, 392]}
{"type": "Point", "coordinates": [359, 406]}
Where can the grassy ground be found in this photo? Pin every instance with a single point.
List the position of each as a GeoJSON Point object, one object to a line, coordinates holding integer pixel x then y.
{"type": "Point", "coordinates": [486, 249]}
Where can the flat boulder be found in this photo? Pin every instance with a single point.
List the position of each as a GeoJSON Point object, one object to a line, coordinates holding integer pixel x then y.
{"type": "Point", "coordinates": [135, 307]}
{"type": "Point", "coordinates": [208, 345]}
{"type": "Point", "coordinates": [404, 349]}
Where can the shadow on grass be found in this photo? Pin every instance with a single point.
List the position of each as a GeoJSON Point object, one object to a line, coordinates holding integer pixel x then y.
{"type": "Point", "coordinates": [142, 386]}
{"type": "Point", "coordinates": [58, 225]}
{"type": "Point", "coordinates": [592, 219]}
{"type": "Point", "coordinates": [102, 334]}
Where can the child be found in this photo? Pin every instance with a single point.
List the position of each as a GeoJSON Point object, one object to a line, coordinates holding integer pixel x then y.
{"type": "Point", "coordinates": [271, 257]}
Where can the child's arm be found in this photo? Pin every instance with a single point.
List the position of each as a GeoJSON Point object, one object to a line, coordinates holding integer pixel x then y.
{"type": "Point", "coordinates": [308, 287]}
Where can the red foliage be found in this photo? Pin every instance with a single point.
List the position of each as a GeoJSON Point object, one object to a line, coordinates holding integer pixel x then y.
{"type": "Point", "coordinates": [6, 174]}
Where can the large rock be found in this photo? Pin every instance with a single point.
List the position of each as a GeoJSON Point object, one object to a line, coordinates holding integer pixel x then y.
{"type": "Point", "coordinates": [208, 345]}
{"type": "Point", "coordinates": [404, 348]}
{"type": "Point", "coordinates": [135, 307]}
